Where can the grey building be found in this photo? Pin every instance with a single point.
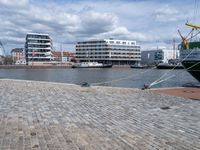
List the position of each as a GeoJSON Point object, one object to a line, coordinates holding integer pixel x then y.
{"type": "Point", "coordinates": [38, 47]}
{"type": "Point", "coordinates": [156, 56]}
{"type": "Point", "coordinates": [116, 52]}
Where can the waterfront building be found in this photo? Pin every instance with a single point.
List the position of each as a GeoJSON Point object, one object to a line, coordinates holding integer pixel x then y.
{"type": "Point", "coordinates": [63, 57]}
{"type": "Point", "coordinates": [18, 56]}
{"type": "Point", "coordinates": [110, 51]}
{"type": "Point", "coordinates": [156, 56]}
{"type": "Point", "coordinates": [38, 48]}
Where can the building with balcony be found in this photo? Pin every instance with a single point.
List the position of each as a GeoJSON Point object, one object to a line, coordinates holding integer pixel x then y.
{"type": "Point", "coordinates": [38, 48]}
{"type": "Point", "coordinates": [110, 51]}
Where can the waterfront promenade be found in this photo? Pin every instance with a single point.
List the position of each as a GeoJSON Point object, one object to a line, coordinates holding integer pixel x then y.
{"type": "Point", "coordinates": [38, 115]}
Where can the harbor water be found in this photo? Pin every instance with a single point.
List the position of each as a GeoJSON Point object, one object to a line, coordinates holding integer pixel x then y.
{"type": "Point", "coordinates": [115, 77]}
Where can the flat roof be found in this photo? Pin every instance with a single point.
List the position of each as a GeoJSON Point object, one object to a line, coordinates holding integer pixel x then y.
{"type": "Point", "coordinates": [37, 34]}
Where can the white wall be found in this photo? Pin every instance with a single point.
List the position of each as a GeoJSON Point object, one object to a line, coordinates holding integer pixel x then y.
{"type": "Point", "coordinates": [148, 57]}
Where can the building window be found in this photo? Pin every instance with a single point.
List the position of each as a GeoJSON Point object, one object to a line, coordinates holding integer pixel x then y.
{"type": "Point", "coordinates": [118, 42]}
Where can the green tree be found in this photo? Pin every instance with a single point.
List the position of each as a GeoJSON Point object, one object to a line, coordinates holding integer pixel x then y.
{"type": "Point", "coordinates": [7, 60]}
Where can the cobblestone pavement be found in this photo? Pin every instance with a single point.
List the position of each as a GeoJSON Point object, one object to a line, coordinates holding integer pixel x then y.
{"type": "Point", "coordinates": [36, 115]}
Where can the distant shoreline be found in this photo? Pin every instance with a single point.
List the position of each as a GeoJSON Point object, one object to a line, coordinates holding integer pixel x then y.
{"type": "Point", "coordinates": [48, 66]}
{"type": "Point", "coordinates": [33, 67]}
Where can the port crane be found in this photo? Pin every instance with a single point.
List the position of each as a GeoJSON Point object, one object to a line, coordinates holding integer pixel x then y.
{"type": "Point", "coordinates": [195, 28]}
{"type": "Point", "coordinates": [190, 35]}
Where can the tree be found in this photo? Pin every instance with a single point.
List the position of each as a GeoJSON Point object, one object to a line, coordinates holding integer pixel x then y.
{"type": "Point", "coordinates": [7, 60]}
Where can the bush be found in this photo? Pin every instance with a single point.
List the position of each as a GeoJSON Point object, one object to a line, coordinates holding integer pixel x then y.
{"type": "Point", "coordinates": [7, 60]}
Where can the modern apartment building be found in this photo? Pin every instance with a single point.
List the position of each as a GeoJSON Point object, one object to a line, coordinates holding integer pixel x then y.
{"type": "Point", "coordinates": [116, 52]}
{"type": "Point", "coordinates": [38, 47]}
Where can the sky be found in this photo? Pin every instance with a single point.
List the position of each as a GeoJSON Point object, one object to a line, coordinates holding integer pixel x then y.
{"type": "Point", "coordinates": [151, 23]}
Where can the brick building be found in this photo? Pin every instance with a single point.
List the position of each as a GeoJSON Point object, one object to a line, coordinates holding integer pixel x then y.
{"type": "Point", "coordinates": [63, 56]}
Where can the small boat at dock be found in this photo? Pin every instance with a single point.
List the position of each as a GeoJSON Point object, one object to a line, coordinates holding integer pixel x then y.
{"type": "Point", "coordinates": [91, 65]}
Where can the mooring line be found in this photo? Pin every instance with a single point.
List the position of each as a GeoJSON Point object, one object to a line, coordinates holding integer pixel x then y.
{"type": "Point", "coordinates": [120, 79]}
{"type": "Point", "coordinates": [159, 80]}
{"type": "Point", "coordinates": [162, 79]}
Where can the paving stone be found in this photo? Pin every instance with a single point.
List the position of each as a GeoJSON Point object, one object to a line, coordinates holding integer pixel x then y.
{"type": "Point", "coordinates": [48, 116]}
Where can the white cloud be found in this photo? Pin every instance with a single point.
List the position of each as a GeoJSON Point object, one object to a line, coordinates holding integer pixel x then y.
{"type": "Point", "coordinates": [14, 3]}
{"type": "Point", "coordinates": [167, 10]}
{"type": "Point", "coordinates": [168, 14]}
{"type": "Point", "coordinates": [95, 23]}
{"type": "Point", "coordinates": [69, 22]}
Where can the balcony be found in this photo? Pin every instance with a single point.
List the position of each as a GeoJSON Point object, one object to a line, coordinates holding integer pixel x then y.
{"type": "Point", "coordinates": [41, 39]}
{"type": "Point", "coordinates": [35, 43]}
{"type": "Point", "coordinates": [39, 48]}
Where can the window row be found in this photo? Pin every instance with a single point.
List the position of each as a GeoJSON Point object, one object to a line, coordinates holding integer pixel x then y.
{"type": "Point", "coordinates": [38, 41]}
{"type": "Point", "coordinates": [122, 42]}
{"type": "Point", "coordinates": [38, 46]}
{"type": "Point", "coordinates": [38, 36]}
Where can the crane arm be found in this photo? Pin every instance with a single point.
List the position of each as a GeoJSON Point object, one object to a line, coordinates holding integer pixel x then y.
{"type": "Point", "coordinates": [181, 35]}
{"type": "Point", "coordinates": [192, 25]}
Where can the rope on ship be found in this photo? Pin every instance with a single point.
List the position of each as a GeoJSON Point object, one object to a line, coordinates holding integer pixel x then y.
{"type": "Point", "coordinates": [173, 75]}
{"type": "Point", "coordinates": [162, 78]}
{"type": "Point", "coordinates": [159, 80]}
{"type": "Point", "coordinates": [120, 79]}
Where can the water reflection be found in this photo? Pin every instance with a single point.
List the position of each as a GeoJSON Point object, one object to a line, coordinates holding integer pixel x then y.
{"type": "Point", "coordinates": [135, 77]}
